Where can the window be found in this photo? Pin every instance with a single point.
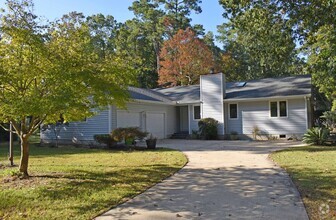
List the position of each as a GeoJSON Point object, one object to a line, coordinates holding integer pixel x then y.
{"type": "Point", "coordinates": [233, 109]}
{"type": "Point", "coordinates": [274, 109]}
{"type": "Point", "coordinates": [283, 108]}
{"type": "Point", "coordinates": [197, 112]}
{"type": "Point", "coordinates": [278, 109]}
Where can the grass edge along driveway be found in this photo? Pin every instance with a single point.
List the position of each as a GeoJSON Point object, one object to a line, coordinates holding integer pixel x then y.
{"type": "Point", "coordinates": [78, 183]}
{"type": "Point", "coordinates": [313, 170]}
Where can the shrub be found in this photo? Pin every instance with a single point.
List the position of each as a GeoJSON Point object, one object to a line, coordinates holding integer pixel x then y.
{"type": "Point", "coordinates": [316, 135]}
{"type": "Point", "coordinates": [255, 132]}
{"type": "Point", "coordinates": [129, 133]}
{"type": "Point", "coordinates": [195, 134]}
{"type": "Point", "coordinates": [104, 139]}
{"type": "Point", "coordinates": [234, 135]}
{"type": "Point", "coordinates": [208, 128]}
{"type": "Point", "coordinates": [330, 119]}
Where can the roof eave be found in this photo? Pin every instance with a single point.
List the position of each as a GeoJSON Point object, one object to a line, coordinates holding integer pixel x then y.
{"type": "Point", "coordinates": [151, 102]}
{"type": "Point", "coordinates": [267, 98]}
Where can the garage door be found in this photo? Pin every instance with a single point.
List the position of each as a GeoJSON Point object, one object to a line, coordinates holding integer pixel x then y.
{"type": "Point", "coordinates": [128, 119]}
{"type": "Point", "coordinates": [155, 124]}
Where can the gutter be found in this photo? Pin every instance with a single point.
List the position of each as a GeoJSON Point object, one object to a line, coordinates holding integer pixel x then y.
{"type": "Point", "coordinates": [266, 98]}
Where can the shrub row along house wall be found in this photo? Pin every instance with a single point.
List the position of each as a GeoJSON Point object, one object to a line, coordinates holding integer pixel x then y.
{"type": "Point", "coordinates": [279, 107]}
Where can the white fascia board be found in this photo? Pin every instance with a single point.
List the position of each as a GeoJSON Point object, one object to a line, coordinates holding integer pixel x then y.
{"type": "Point", "coordinates": [151, 102]}
{"type": "Point", "coordinates": [188, 103]}
{"type": "Point", "coordinates": [267, 98]}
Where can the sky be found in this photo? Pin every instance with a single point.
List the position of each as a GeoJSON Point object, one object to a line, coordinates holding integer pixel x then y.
{"type": "Point", "coordinates": [210, 17]}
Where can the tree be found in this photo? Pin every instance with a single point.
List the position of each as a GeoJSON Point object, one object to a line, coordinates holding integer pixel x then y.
{"type": "Point", "coordinates": [184, 58]}
{"type": "Point", "coordinates": [178, 15]}
{"type": "Point", "coordinates": [217, 53]}
{"type": "Point", "coordinates": [322, 61]}
{"type": "Point", "coordinates": [140, 39]}
{"type": "Point", "coordinates": [50, 70]}
{"type": "Point", "coordinates": [103, 30]}
{"type": "Point", "coordinates": [312, 26]}
{"type": "Point", "coordinates": [146, 30]}
{"type": "Point", "coordinates": [134, 47]}
{"type": "Point", "coordinates": [261, 41]}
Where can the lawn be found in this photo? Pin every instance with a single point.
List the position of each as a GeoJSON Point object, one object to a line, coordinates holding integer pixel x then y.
{"type": "Point", "coordinates": [313, 170]}
{"type": "Point", "coordinates": [78, 183]}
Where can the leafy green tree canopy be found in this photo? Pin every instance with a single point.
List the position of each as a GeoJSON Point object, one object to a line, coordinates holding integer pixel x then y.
{"type": "Point", "coordinates": [53, 69]}
{"type": "Point", "coordinates": [309, 24]}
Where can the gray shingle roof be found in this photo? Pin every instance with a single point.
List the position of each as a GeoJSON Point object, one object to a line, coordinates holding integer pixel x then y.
{"type": "Point", "coordinates": [261, 88]}
{"type": "Point", "coordinates": [183, 94]}
{"type": "Point", "coordinates": [140, 96]}
{"type": "Point", "coordinates": [148, 95]}
{"type": "Point", "coordinates": [271, 87]}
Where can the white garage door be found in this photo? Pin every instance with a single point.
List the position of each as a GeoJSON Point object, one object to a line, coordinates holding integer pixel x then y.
{"type": "Point", "coordinates": [128, 119]}
{"type": "Point", "coordinates": [155, 124]}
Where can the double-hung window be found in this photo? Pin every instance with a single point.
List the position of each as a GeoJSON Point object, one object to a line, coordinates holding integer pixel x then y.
{"type": "Point", "coordinates": [278, 109]}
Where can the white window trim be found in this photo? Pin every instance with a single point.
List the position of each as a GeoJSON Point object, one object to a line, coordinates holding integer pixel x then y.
{"type": "Point", "coordinates": [193, 110]}
{"type": "Point", "coordinates": [230, 113]}
{"type": "Point", "coordinates": [278, 108]}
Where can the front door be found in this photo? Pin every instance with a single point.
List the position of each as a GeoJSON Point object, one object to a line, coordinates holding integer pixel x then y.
{"type": "Point", "coordinates": [184, 122]}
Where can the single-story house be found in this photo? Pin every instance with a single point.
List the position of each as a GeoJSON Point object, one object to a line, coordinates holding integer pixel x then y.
{"type": "Point", "coordinates": [279, 107]}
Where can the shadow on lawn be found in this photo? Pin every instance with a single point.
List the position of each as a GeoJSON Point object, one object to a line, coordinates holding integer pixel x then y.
{"type": "Point", "coordinates": [95, 185]}
{"type": "Point", "coordinates": [37, 151]}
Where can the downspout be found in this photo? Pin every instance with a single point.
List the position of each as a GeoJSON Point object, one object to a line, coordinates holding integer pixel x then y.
{"type": "Point", "coordinates": [306, 110]}
{"type": "Point", "coordinates": [110, 119]}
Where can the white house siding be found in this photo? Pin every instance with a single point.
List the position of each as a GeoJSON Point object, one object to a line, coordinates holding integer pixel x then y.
{"type": "Point", "coordinates": [212, 95]}
{"type": "Point", "coordinates": [146, 108]}
{"type": "Point", "coordinates": [113, 117]}
{"type": "Point", "coordinates": [81, 131]}
{"type": "Point", "coordinates": [257, 113]}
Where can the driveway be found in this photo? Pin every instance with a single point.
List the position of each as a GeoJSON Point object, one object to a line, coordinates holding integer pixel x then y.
{"type": "Point", "coordinates": [223, 180]}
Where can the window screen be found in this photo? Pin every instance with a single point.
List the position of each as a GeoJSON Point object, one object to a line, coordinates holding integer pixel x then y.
{"type": "Point", "coordinates": [233, 111]}
{"type": "Point", "coordinates": [197, 112]}
{"type": "Point", "coordinates": [283, 108]}
{"type": "Point", "coordinates": [274, 109]}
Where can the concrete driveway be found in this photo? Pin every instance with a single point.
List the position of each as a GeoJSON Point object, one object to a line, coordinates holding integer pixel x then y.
{"type": "Point", "coordinates": [223, 180]}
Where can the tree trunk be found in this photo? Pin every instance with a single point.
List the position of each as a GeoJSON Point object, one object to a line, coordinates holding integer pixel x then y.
{"type": "Point", "coordinates": [24, 156]}
{"type": "Point", "coordinates": [11, 158]}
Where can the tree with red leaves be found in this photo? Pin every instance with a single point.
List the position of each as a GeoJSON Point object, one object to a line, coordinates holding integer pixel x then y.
{"type": "Point", "coordinates": [184, 58]}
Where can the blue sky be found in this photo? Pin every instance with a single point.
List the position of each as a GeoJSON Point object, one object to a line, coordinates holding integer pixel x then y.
{"type": "Point", "coordinates": [52, 9]}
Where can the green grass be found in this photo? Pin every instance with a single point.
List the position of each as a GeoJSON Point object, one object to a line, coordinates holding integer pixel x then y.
{"type": "Point", "coordinates": [77, 183]}
{"type": "Point", "coordinates": [313, 170]}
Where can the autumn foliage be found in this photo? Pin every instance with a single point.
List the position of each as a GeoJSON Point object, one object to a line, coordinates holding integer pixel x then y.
{"type": "Point", "coordinates": [184, 58]}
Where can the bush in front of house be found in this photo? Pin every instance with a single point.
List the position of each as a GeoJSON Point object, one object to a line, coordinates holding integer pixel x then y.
{"type": "Point", "coordinates": [316, 136]}
{"type": "Point", "coordinates": [329, 118]}
{"type": "Point", "coordinates": [105, 139]}
{"type": "Point", "coordinates": [128, 134]}
{"type": "Point", "coordinates": [208, 128]}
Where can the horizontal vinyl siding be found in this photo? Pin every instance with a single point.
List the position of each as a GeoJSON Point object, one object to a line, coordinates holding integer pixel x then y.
{"type": "Point", "coordinates": [82, 131]}
{"type": "Point", "coordinates": [114, 117]}
{"type": "Point", "coordinates": [258, 114]}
